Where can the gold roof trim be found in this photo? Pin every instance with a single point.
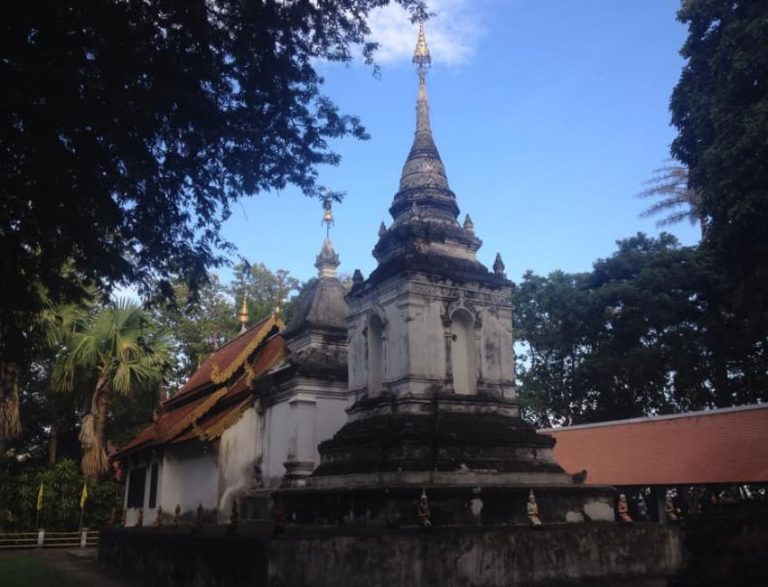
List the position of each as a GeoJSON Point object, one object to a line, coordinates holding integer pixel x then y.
{"type": "Point", "coordinates": [220, 376]}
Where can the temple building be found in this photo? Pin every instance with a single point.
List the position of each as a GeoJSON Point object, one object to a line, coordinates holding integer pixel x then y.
{"type": "Point", "coordinates": [250, 418]}
{"type": "Point", "coordinates": [420, 353]}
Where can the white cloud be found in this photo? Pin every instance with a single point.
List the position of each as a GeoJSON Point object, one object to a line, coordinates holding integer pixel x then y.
{"type": "Point", "coordinates": [452, 32]}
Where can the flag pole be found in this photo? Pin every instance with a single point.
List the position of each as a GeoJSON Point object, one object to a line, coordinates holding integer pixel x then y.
{"type": "Point", "coordinates": [39, 506]}
{"type": "Point", "coordinates": [83, 499]}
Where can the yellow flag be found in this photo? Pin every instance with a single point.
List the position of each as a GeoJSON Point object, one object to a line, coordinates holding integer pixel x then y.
{"type": "Point", "coordinates": [84, 495]}
{"type": "Point", "coordinates": [40, 497]}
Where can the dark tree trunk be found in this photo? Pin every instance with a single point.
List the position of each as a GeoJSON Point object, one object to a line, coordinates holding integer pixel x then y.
{"type": "Point", "coordinates": [94, 461]}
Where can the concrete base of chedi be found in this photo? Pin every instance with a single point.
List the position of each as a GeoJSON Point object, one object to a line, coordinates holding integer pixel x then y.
{"type": "Point", "coordinates": [475, 459]}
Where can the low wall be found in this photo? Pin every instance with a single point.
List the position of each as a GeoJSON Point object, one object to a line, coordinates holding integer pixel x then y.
{"type": "Point", "coordinates": [444, 557]}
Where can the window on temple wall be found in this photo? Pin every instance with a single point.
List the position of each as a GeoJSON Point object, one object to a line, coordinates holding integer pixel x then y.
{"type": "Point", "coordinates": [136, 480]}
{"type": "Point", "coordinates": [153, 474]}
{"type": "Point", "coordinates": [375, 354]}
{"type": "Point", "coordinates": [463, 353]}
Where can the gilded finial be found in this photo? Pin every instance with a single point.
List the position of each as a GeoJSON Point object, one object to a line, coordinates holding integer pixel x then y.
{"type": "Point", "coordinates": [242, 315]}
{"type": "Point", "coordinates": [421, 57]}
{"type": "Point", "coordinates": [327, 200]}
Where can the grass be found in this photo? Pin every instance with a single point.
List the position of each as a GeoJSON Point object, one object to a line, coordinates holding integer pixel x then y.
{"type": "Point", "coordinates": [28, 571]}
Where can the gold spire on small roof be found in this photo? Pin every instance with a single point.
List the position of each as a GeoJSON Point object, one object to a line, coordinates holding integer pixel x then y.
{"type": "Point", "coordinates": [327, 201]}
{"type": "Point", "coordinates": [327, 260]}
{"type": "Point", "coordinates": [242, 315]}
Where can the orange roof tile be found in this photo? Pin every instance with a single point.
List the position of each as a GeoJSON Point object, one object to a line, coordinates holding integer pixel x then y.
{"type": "Point", "coordinates": [716, 446]}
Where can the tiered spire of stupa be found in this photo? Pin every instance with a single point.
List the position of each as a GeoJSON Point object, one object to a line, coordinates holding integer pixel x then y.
{"type": "Point", "coordinates": [423, 180]}
{"type": "Point", "coordinates": [425, 230]}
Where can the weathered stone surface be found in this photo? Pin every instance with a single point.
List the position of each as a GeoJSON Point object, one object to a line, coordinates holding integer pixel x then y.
{"type": "Point", "coordinates": [449, 557]}
{"type": "Point", "coordinates": [574, 517]}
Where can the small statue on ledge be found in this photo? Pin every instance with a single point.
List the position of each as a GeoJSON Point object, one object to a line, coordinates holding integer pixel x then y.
{"type": "Point", "coordinates": [425, 514]}
{"type": "Point", "coordinates": [532, 510]}
{"type": "Point", "coordinates": [623, 508]}
{"type": "Point", "coordinates": [672, 513]}
{"type": "Point", "coordinates": [642, 508]}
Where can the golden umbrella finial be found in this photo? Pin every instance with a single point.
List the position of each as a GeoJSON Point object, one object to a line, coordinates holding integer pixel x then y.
{"type": "Point", "coordinates": [421, 57]}
{"type": "Point", "coordinates": [242, 315]}
{"type": "Point", "coordinates": [327, 200]}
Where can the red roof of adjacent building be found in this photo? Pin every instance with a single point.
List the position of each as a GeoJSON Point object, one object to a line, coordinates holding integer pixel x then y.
{"type": "Point", "coordinates": [728, 445]}
{"type": "Point", "coordinates": [217, 393]}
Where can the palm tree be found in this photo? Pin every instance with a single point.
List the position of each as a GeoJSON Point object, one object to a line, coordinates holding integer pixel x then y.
{"type": "Point", "coordinates": [59, 324]}
{"type": "Point", "coordinates": [678, 201]}
{"type": "Point", "coordinates": [125, 354]}
{"type": "Point", "coordinates": [10, 421]}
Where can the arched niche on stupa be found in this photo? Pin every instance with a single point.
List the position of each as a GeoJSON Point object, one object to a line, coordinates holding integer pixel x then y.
{"type": "Point", "coordinates": [463, 352]}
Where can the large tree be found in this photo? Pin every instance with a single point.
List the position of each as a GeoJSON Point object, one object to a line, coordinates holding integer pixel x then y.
{"type": "Point", "coordinates": [128, 127]}
{"type": "Point", "coordinates": [123, 353]}
{"type": "Point", "coordinates": [720, 108]}
{"type": "Point", "coordinates": [642, 333]}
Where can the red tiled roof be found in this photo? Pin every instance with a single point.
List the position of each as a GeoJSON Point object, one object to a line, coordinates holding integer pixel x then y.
{"type": "Point", "coordinates": [215, 395]}
{"type": "Point", "coordinates": [226, 356]}
{"type": "Point", "coordinates": [717, 446]}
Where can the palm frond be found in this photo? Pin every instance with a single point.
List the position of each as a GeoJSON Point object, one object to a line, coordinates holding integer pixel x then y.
{"type": "Point", "coordinates": [671, 184]}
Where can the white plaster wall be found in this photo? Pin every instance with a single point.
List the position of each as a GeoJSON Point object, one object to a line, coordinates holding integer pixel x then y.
{"type": "Point", "coordinates": [277, 443]}
{"type": "Point", "coordinates": [238, 449]}
{"type": "Point", "coordinates": [188, 478]}
{"type": "Point", "coordinates": [294, 429]}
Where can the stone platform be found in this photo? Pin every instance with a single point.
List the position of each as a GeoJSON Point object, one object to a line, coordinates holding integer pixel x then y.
{"type": "Point", "coordinates": [564, 555]}
{"type": "Point", "coordinates": [473, 457]}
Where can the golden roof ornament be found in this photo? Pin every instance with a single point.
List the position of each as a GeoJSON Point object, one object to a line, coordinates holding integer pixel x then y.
{"type": "Point", "coordinates": [242, 315]}
{"type": "Point", "coordinates": [327, 200]}
{"type": "Point", "coordinates": [421, 57]}
{"type": "Point", "coordinates": [327, 260]}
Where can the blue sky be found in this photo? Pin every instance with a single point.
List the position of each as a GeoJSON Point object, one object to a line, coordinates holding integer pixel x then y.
{"type": "Point", "coordinates": [549, 116]}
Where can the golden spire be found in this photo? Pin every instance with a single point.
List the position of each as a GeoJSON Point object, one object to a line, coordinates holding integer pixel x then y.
{"type": "Point", "coordinates": [242, 315]}
{"type": "Point", "coordinates": [421, 57]}
{"type": "Point", "coordinates": [327, 261]}
{"type": "Point", "coordinates": [327, 201]}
